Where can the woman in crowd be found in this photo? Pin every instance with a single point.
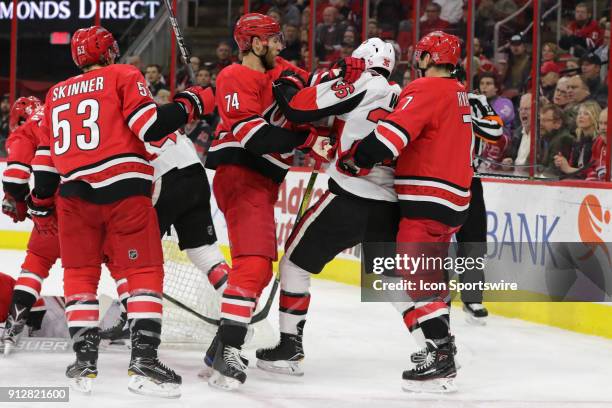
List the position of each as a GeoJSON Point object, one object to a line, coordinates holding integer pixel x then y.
{"type": "Point", "coordinates": [587, 129]}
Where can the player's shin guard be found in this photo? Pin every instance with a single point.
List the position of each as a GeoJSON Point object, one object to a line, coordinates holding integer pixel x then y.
{"type": "Point", "coordinates": [287, 355]}
{"type": "Point", "coordinates": [210, 261]}
{"type": "Point", "coordinates": [148, 376]}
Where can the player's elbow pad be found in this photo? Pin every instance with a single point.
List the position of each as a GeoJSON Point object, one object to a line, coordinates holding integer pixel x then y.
{"type": "Point", "coordinates": [45, 184]}
{"type": "Point", "coordinates": [371, 152]}
{"type": "Point", "coordinates": [170, 117]}
{"type": "Point", "coordinates": [297, 115]}
{"type": "Point", "coordinates": [272, 139]}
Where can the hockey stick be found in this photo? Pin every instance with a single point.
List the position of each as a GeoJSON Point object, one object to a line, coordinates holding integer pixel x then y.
{"type": "Point", "coordinates": [180, 40]}
{"type": "Point", "coordinates": [263, 313]}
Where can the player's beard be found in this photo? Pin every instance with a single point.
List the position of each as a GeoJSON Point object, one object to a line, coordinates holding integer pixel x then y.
{"type": "Point", "coordinates": [268, 60]}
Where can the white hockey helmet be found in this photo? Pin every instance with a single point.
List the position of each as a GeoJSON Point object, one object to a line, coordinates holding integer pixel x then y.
{"type": "Point", "coordinates": [377, 54]}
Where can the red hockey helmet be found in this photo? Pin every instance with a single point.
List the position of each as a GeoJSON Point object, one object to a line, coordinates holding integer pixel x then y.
{"type": "Point", "coordinates": [444, 48]}
{"type": "Point", "coordinates": [93, 45]}
{"type": "Point", "coordinates": [21, 110]}
{"type": "Point", "coordinates": [255, 25]}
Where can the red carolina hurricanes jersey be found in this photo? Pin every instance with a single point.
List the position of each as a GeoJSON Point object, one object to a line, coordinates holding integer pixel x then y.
{"type": "Point", "coordinates": [430, 131]}
{"type": "Point", "coordinates": [246, 104]}
{"type": "Point", "coordinates": [95, 124]}
{"type": "Point", "coordinates": [21, 146]}
{"type": "Point", "coordinates": [591, 32]}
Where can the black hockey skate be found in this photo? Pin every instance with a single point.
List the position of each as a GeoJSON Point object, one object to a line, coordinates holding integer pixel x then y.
{"type": "Point", "coordinates": [148, 376]}
{"type": "Point", "coordinates": [84, 370]}
{"type": "Point", "coordinates": [419, 356]}
{"type": "Point", "coordinates": [209, 358]}
{"type": "Point", "coordinates": [286, 357]}
{"type": "Point", "coordinates": [228, 368]}
{"type": "Point", "coordinates": [476, 313]}
{"type": "Point", "coordinates": [119, 333]}
{"type": "Point", "coordinates": [436, 373]}
{"type": "Point", "coordinates": [15, 323]}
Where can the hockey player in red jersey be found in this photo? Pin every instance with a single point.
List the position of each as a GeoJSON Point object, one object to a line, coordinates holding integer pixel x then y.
{"type": "Point", "coordinates": [430, 134]}
{"type": "Point", "coordinates": [43, 249]}
{"type": "Point", "coordinates": [251, 157]}
{"type": "Point", "coordinates": [96, 125]}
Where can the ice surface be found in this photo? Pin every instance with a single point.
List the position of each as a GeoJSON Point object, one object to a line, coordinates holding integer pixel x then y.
{"type": "Point", "coordinates": [355, 354]}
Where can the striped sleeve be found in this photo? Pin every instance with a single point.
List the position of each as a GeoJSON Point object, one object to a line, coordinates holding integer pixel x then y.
{"type": "Point", "coordinates": [46, 176]}
{"type": "Point", "coordinates": [486, 123]}
{"type": "Point", "coordinates": [21, 147]}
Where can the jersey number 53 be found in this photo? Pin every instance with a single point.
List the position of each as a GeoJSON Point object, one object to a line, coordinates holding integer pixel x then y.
{"type": "Point", "coordinates": [80, 121]}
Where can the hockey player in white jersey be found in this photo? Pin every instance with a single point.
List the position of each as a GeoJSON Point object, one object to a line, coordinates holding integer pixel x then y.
{"type": "Point", "coordinates": [353, 210]}
{"type": "Point", "coordinates": [181, 197]}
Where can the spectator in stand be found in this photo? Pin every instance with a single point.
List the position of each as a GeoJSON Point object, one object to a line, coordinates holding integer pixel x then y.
{"type": "Point", "coordinates": [561, 95]}
{"type": "Point", "coordinates": [154, 78]}
{"type": "Point", "coordinates": [290, 14]}
{"type": "Point", "coordinates": [162, 97]}
{"type": "Point", "coordinates": [598, 170]}
{"type": "Point", "coordinates": [305, 20]}
{"type": "Point", "coordinates": [275, 14]}
{"type": "Point", "coordinates": [603, 52]}
{"type": "Point", "coordinates": [135, 61]}
{"type": "Point", "coordinates": [520, 145]}
{"type": "Point", "coordinates": [587, 128]}
{"type": "Point", "coordinates": [183, 79]}
{"type": "Point", "coordinates": [5, 109]}
{"type": "Point", "coordinates": [485, 64]}
{"type": "Point", "coordinates": [519, 66]}
{"type": "Point", "coordinates": [373, 29]}
{"type": "Point", "coordinates": [489, 86]}
{"type": "Point", "coordinates": [293, 44]}
{"type": "Point", "coordinates": [551, 53]}
{"type": "Point", "coordinates": [432, 21]}
{"type": "Point", "coordinates": [572, 66]}
{"type": "Point", "coordinates": [554, 137]}
{"type": "Point", "coordinates": [328, 33]}
{"type": "Point", "coordinates": [549, 75]}
{"type": "Point", "coordinates": [577, 92]}
{"type": "Point", "coordinates": [224, 56]}
{"type": "Point", "coordinates": [590, 65]}
{"type": "Point", "coordinates": [406, 78]}
{"type": "Point", "coordinates": [583, 31]}
{"type": "Point", "coordinates": [451, 10]}
{"type": "Point", "coordinates": [350, 36]}
{"type": "Point", "coordinates": [389, 13]}
{"type": "Point", "coordinates": [204, 77]}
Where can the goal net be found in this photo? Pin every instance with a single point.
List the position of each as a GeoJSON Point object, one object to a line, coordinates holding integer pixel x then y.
{"type": "Point", "coordinates": [187, 284]}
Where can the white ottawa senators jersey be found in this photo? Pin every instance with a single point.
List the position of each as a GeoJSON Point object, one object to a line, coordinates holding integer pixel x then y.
{"type": "Point", "coordinates": [357, 108]}
{"type": "Point", "coordinates": [174, 151]}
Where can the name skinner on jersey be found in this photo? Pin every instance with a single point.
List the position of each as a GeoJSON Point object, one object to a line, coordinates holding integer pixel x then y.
{"type": "Point", "coordinates": [87, 86]}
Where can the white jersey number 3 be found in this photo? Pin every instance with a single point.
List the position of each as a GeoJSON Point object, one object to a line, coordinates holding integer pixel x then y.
{"type": "Point", "coordinates": [232, 101]}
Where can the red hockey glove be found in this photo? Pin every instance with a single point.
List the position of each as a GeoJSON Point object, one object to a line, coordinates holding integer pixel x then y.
{"type": "Point", "coordinates": [290, 78]}
{"type": "Point", "coordinates": [346, 163]}
{"type": "Point", "coordinates": [17, 210]}
{"type": "Point", "coordinates": [349, 68]}
{"type": "Point", "coordinates": [197, 101]}
{"type": "Point", "coordinates": [42, 212]}
{"type": "Point", "coordinates": [315, 146]}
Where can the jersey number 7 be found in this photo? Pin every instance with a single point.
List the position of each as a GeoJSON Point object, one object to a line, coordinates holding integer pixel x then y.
{"type": "Point", "coordinates": [84, 119]}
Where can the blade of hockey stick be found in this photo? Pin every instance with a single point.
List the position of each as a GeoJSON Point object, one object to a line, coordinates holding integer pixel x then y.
{"type": "Point", "coordinates": [180, 40]}
{"type": "Point", "coordinates": [183, 306]}
{"type": "Point", "coordinates": [263, 313]}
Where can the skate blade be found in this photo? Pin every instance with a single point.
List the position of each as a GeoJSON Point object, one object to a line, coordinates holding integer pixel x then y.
{"type": "Point", "coordinates": [475, 321]}
{"type": "Point", "coordinates": [438, 386]}
{"type": "Point", "coordinates": [221, 382]}
{"type": "Point", "coordinates": [284, 367]}
{"type": "Point", "coordinates": [82, 385]}
{"type": "Point", "coordinates": [139, 384]}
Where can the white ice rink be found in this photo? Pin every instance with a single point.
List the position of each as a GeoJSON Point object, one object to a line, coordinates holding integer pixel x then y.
{"type": "Point", "coordinates": [355, 354]}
